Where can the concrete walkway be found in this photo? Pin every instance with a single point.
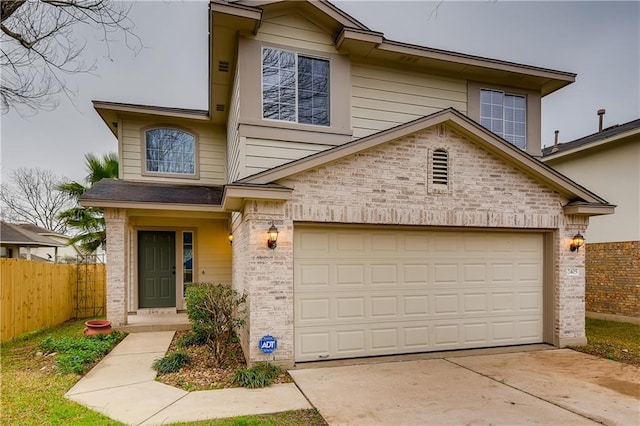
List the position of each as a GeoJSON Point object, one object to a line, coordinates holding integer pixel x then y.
{"type": "Point", "coordinates": [122, 386]}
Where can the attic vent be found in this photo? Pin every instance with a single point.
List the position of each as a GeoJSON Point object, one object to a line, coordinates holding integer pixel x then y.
{"type": "Point", "coordinates": [440, 167]}
{"type": "Point", "coordinates": [223, 66]}
{"type": "Point", "coordinates": [219, 107]}
{"type": "Point", "coordinates": [408, 59]}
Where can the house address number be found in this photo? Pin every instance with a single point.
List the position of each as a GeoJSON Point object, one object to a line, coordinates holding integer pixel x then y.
{"type": "Point", "coordinates": [573, 272]}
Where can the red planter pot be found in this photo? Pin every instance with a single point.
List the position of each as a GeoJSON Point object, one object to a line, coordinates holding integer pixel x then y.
{"type": "Point", "coordinates": [95, 327]}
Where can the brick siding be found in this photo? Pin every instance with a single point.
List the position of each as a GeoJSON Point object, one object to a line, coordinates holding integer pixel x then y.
{"type": "Point", "coordinates": [389, 184]}
{"type": "Point", "coordinates": [613, 278]}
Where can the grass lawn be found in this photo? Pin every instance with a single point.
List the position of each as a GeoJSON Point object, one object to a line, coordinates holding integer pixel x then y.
{"type": "Point", "coordinates": [617, 341]}
{"type": "Point", "coordinates": [33, 388]}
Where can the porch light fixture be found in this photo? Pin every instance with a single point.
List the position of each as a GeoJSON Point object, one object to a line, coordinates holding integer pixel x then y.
{"type": "Point", "coordinates": [576, 242]}
{"type": "Point", "coordinates": [230, 238]}
{"type": "Point", "coordinates": [273, 237]}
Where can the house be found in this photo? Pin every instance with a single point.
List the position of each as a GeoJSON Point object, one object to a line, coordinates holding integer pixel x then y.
{"type": "Point", "coordinates": [398, 221]}
{"type": "Point", "coordinates": [19, 241]}
{"type": "Point", "coordinates": [608, 162]}
{"type": "Point", "coordinates": [64, 253]}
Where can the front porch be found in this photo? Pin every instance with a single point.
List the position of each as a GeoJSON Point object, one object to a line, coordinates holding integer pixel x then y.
{"type": "Point", "coordinates": [155, 322]}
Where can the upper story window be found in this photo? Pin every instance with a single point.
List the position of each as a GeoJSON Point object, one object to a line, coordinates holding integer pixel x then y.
{"type": "Point", "coordinates": [295, 87]}
{"type": "Point", "coordinates": [170, 151]}
{"type": "Point", "coordinates": [505, 114]}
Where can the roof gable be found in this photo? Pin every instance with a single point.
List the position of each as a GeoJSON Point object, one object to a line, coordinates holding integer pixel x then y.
{"type": "Point", "coordinates": [459, 123]}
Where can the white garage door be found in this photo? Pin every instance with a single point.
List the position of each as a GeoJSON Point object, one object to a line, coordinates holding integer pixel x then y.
{"type": "Point", "coordinates": [364, 292]}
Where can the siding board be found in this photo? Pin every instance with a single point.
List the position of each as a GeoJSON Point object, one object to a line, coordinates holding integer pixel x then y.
{"type": "Point", "coordinates": [382, 98]}
{"type": "Point", "coordinates": [295, 31]}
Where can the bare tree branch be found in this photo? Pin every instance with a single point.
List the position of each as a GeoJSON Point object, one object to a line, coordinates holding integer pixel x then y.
{"type": "Point", "coordinates": [32, 196]}
{"type": "Point", "coordinates": [38, 47]}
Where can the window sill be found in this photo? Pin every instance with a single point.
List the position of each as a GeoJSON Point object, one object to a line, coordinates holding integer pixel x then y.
{"type": "Point", "coordinates": [170, 175]}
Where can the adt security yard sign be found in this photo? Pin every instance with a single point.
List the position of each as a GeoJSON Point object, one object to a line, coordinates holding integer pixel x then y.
{"type": "Point", "coordinates": [268, 344]}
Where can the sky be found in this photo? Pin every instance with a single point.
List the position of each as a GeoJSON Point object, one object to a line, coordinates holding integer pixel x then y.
{"type": "Point", "coordinates": [598, 40]}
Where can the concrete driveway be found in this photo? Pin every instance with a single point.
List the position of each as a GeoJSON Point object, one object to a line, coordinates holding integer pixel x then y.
{"type": "Point", "coordinates": [548, 387]}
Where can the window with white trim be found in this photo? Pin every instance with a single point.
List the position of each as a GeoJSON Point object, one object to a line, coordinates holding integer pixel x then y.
{"type": "Point", "coordinates": [295, 87]}
{"type": "Point", "coordinates": [505, 114]}
{"type": "Point", "coordinates": [170, 151]}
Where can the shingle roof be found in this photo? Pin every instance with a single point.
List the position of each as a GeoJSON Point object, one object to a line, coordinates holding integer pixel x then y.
{"type": "Point", "coordinates": [37, 229]}
{"type": "Point", "coordinates": [11, 234]}
{"type": "Point", "coordinates": [142, 192]}
{"type": "Point", "coordinates": [595, 137]}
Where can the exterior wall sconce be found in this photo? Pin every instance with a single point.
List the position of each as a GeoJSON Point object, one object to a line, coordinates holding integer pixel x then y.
{"type": "Point", "coordinates": [273, 237]}
{"type": "Point", "coordinates": [576, 242]}
{"type": "Point", "coordinates": [230, 238]}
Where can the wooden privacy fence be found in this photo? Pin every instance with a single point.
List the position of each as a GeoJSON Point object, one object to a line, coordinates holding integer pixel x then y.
{"type": "Point", "coordinates": [34, 295]}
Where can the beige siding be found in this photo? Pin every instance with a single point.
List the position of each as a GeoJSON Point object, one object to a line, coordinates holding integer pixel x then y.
{"type": "Point", "coordinates": [263, 154]}
{"type": "Point", "coordinates": [211, 142]}
{"type": "Point", "coordinates": [295, 31]}
{"type": "Point", "coordinates": [614, 174]}
{"type": "Point", "coordinates": [382, 98]}
{"type": "Point", "coordinates": [233, 149]}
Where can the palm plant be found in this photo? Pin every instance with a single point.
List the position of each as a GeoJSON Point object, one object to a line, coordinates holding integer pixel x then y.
{"type": "Point", "coordinates": [88, 222]}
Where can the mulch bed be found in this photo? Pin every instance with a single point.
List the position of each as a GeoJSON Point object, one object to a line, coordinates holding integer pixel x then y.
{"type": "Point", "coordinates": [202, 373]}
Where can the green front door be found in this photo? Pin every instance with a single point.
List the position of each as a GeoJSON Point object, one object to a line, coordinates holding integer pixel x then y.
{"type": "Point", "coordinates": [157, 269]}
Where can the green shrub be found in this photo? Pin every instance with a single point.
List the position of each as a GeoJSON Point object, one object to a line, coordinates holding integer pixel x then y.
{"type": "Point", "coordinates": [191, 339]}
{"type": "Point", "coordinates": [171, 363]}
{"type": "Point", "coordinates": [75, 354]}
{"type": "Point", "coordinates": [259, 376]}
{"type": "Point", "coordinates": [216, 312]}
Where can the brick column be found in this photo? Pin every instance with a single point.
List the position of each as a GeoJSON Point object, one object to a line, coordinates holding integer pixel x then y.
{"type": "Point", "coordinates": [268, 278]}
{"type": "Point", "coordinates": [570, 288]}
{"type": "Point", "coordinates": [117, 265]}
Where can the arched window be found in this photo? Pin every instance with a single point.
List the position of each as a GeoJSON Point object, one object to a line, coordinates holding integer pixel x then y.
{"type": "Point", "coordinates": [440, 168]}
{"type": "Point", "coordinates": [170, 151]}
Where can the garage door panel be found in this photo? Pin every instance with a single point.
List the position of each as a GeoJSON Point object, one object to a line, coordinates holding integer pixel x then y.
{"type": "Point", "coordinates": [529, 273]}
{"type": "Point", "coordinates": [313, 275]}
{"type": "Point", "coordinates": [474, 273]}
{"type": "Point", "coordinates": [385, 339]}
{"type": "Point", "coordinates": [445, 273]}
{"type": "Point", "coordinates": [350, 342]}
{"type": "Point", "coordinates": [315, 309]}
{"type": "Point", "coordinates": [415, 274]}
{"type": "Point", "coordinates": [313, 345]}
{"type": "Point", "coordinates": [448, 304]}
{"type": "Point", "coordinates": [350, 308]}
{"type": "Point", "coordinates": [529, 301]}
{"type": "Point", "coordinates": [384, 274]}
{"type": "Point", "coordinates": [350, 242]}
{"type": "Point", "coordinates": [415, 305]}
{"type": "Point", "coordinates": [384, 307]}
{"type": "Point", "coordinates": [378, 292]}
{"type": "Point", "coordinates": [350, 275]}
{"type": "Point", "coordinates": [316, 242]}
{"type": "Point", "coordinates": [475, 303]}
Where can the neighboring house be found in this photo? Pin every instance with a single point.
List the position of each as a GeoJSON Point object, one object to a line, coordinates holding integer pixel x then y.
{"type": "Point", "coordinates": [609, 163]}
{"type": "Point", "coordinates": [64, 253]}
{"type": "Point", "coordinates": [404, 224]}
{"type": "Point", "coordinates": [17, 241]}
